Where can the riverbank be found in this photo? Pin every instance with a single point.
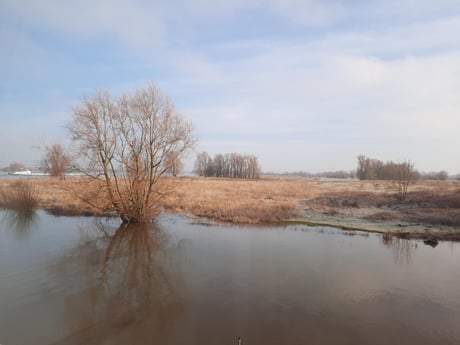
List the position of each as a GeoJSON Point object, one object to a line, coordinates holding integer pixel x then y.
{"type": "Point", "coordinates": [430, 211]}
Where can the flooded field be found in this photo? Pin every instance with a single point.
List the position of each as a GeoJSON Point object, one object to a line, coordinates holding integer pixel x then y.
{"type": "Point", "coordinates": [70, 280]}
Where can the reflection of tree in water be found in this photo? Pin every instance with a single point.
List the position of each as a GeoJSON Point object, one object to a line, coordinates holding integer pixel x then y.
{"type": "Point", "coordinates": [128, 296]}
{"type": "Point", "coordinates": [403, 249]}
{"type": "Point", "coordinates": [21, 221]}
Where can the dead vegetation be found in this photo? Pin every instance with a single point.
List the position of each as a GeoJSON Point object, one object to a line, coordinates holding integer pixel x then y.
{"type": "Point", "coordinates": [432, 203]}
{"type": "Point", "coordinates": [238, 201]}
{"type": "Point", "coordinates": [20, 195]}
{"type": "Point", "coordinates": [51, 194]}
{"type": "Point", "coordinates": [228, 200]}
{"type": "Point", "coordinates": [371, 205]}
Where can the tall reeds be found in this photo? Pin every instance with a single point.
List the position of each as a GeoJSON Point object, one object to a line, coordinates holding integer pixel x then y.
{"type": "Point", "coordinates": [20, 195]}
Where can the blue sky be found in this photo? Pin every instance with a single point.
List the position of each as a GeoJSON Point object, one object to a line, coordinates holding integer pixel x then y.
{"type": "Point", "coordinates": [304, 85]}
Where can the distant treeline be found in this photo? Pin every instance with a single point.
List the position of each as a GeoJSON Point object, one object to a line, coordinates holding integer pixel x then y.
{"type": "Point", "coordinates": [233, 165]}
{"type": "Point", "coordinates": [375, 169]}
{"type": "Point", "coordinates": [340, 174]}
{"type": "Point", "coordinates": [437, 175]}
{"type": "Point", "coordinates": [15, 166]}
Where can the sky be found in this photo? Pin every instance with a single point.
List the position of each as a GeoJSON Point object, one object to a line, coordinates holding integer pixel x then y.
{"type": "Point", "coordinates": [302, 84]}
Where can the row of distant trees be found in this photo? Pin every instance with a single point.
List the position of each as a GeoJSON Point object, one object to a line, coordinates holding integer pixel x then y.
{"type": "Point", "coordinates": [342, 174]}
{"type": "Point", "coordinates": [57, 161]}
{"type": "Point", "coordinates": [436, 175]}
{"type": "Point", "coordinates": [233, 165]}
{"type": "Point", "coordinates": [403, 174]}
{"type": "Point", "coordinates": [339, 174]}
{"type": "Point", "coordinates": [375, 169]}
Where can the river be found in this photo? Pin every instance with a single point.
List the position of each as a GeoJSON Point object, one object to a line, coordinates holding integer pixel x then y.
{"type": "Point", "coordinates": [67, 280]}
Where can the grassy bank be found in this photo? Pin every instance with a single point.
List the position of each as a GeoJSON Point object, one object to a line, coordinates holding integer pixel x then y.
{"type": "Point", "coordinates": [431, 209]}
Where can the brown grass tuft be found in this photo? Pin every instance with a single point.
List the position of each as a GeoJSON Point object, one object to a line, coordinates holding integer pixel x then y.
{"type": "Point", "coordinates": [20, 195]}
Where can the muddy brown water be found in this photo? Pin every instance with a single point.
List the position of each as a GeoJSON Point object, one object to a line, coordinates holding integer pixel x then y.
{"type": "Point", "coordinates": [70, 280]}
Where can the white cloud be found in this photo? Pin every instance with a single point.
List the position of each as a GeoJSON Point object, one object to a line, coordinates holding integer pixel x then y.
{"type": "Point", "coordinates": [349, 80]}
{"type": "Point", "coordinates": [296, 99]}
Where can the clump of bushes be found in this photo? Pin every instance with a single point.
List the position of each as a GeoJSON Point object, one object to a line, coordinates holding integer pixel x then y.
{"type": "Point", "coordinates": [21, 195]}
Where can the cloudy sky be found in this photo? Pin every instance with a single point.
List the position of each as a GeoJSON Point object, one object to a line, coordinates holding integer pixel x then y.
{"type": "Point", "coordinates": [303, 84]}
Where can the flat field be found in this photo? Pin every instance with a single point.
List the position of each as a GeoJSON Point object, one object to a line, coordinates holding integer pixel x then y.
{"type": "Point", "coordinates": [431, 208]}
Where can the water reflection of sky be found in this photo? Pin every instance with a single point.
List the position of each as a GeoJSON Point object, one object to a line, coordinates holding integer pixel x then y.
{"type": "Point", "coordinates": [79, 281]}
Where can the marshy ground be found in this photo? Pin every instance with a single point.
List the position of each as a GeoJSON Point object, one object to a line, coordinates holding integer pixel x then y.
{"type": "Point", "coordinates": [431, 209]}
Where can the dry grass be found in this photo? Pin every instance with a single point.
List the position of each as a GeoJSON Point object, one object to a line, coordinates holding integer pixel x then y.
{"type": "Point", "coordinates": [428, 203]}
{"type": "Point", "coordinates": [20, 195]}
{"type": "Point", "coordinates": [229, 200]}
{"type": "Point", "coordinates": [56, 195]}
{"type": "Point", "coordinates": [239, 201]}
{"type": "Point", "coordinates": [270, 200]}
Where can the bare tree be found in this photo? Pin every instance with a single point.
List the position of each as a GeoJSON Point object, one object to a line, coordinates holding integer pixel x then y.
{"type": "Point", "coordinates": [361, 171]}
{"type": "Point", "coordinates": [253, 167]}
{"type": "Point", "coordinates": [174, 164]}
{"type": "Point", "coordinates": [129, 141]}
{"type": "Point", "coordinates": [56, 160]}
{"type": "Point", "coordinates": [14, 167]}
{"type": "Point", "coordinates": [203, 164]}
{"type": "Point", "coordinates": [404, 175]}
{"type": "Point", "coordinates": [219, 164]}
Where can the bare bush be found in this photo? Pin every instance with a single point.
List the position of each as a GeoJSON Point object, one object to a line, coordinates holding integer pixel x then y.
{"type": "Point", "coordinates": [131, 141]}
{"type": "Point", "coordinates": [403, 175]}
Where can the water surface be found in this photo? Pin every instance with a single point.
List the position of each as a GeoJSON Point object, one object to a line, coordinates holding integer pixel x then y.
{"type": "Point", "coordinates": [82, 281]}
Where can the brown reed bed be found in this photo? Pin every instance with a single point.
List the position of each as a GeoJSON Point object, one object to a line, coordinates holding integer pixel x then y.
{"type": "Point", "coordinates": [269, 200]}
{"type": "Point", "coordinates": [52, 194]}
{"type": "Point", "coordinates": [228, 200]}
{"type": "Point", "coordinates": [238, 201]}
